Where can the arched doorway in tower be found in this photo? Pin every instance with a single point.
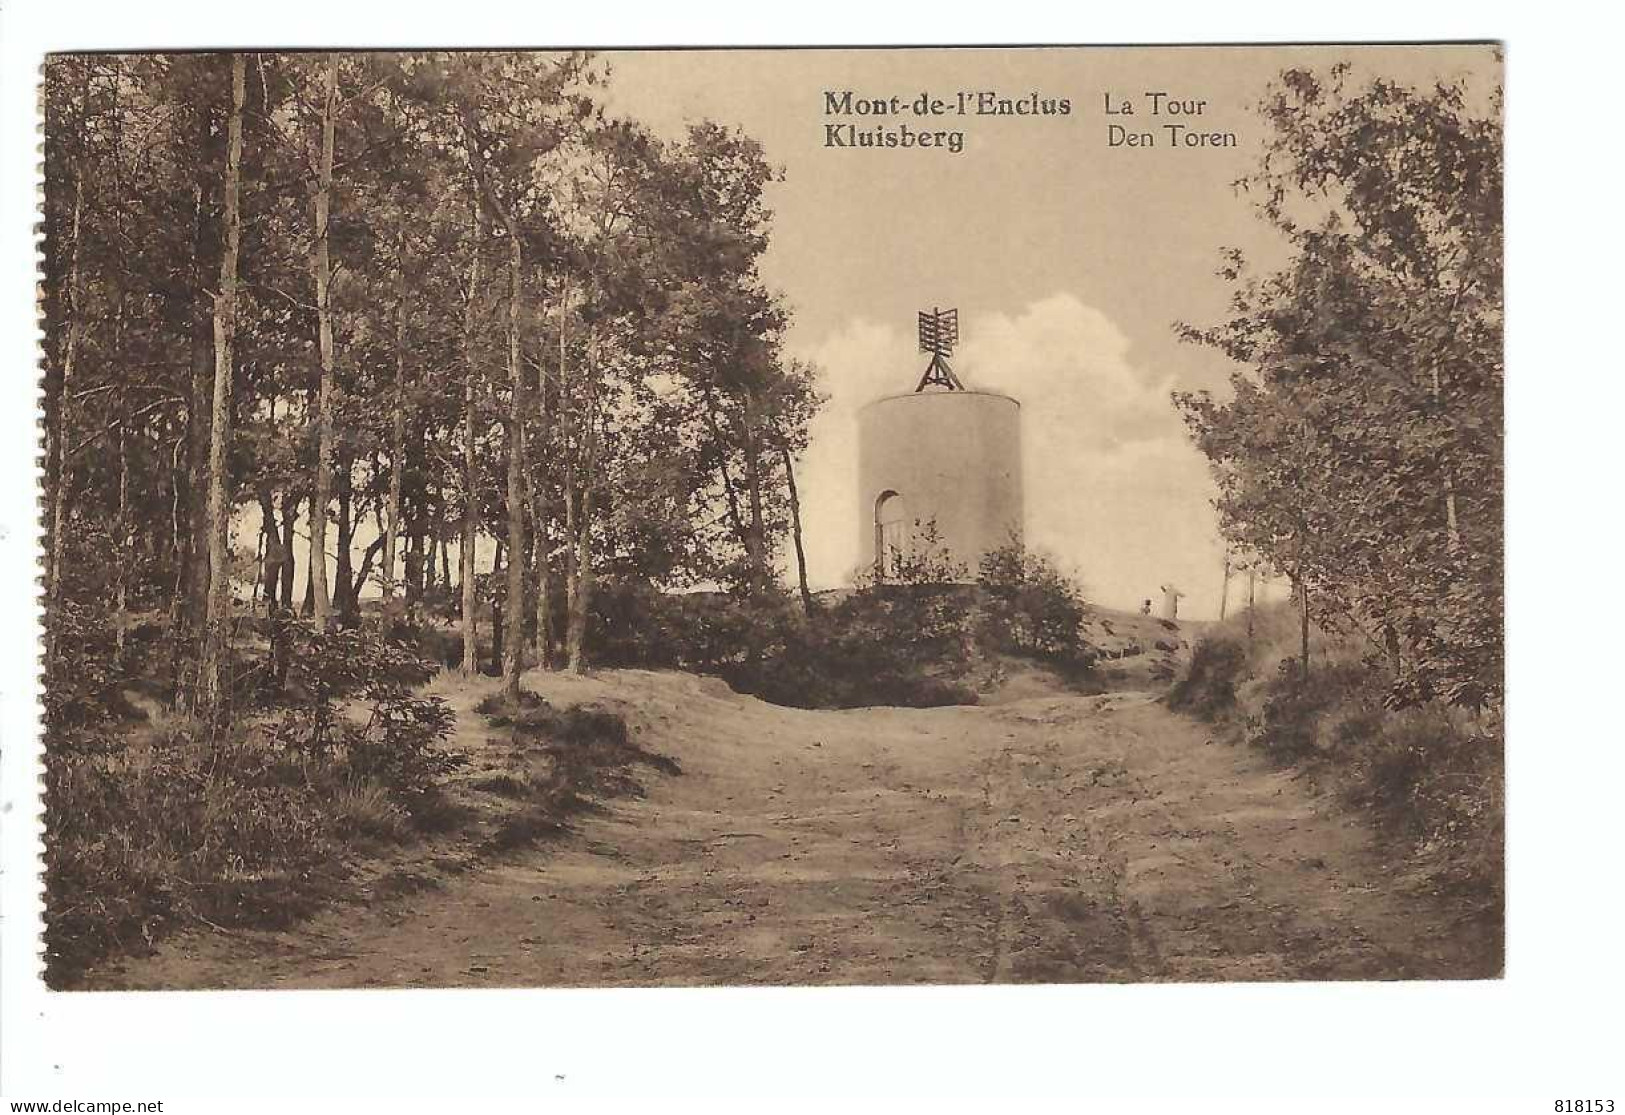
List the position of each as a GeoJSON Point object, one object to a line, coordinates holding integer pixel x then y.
{"type": "Point", "coordinates": [892, 535]}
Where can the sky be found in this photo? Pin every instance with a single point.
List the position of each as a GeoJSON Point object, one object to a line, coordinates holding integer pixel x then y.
{"type": "Point", "coordinates": [1070, 260]}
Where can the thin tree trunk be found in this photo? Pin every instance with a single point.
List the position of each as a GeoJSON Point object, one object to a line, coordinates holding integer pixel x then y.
{"type": "Point", "coordinates": [1303, 612]}
{"type": "Point", "coordinates": [307, 605]}
{"type": "Point", "coordinates": [538, 507]}
{"type": "Point", "coordinates": [572, 578]}
{"type": "Point", "coordinates": [757, 540]}
{"type": "Point", "coordinates": [498, 628]}
{"type": "Point", "coordinates": [1224, 590]}
{"type": "Point", "coordinates": [729, 491]}
{"type": "Point", "coordinates": [471, 663]}
{"type": "Point", "coordinates": [795, 531]}
{"type": "Point", "coordinates": [215, 682]}
{"type": "Point", "coordinates": [1252, 600]}
{"type": "Point", "coordinates": [343, 605]}
{"type": "Point", "coordinates": [581, 599]}
{"type": "Point", "coordinates": [64, 410]}
{"type": "Point", "coordinates": [397, 441]}
{"type": "Point", "coordinates": [368, 556]}
{"type": "Point", "coordinates": [322, 264]}
{"type": "Point", "coordinates": [271, 564]}
{"type": "Point", "coordinates": [431, 550]}
{"type": "Point", "coordinates": [290, 515]}
{"type": "Point", "coordinates": [514, 664]}
{"type": "Point", "coordinates": [123, 529]}
{"type": "Point", "coordinates": [536, 496]}
{"type": "Point", "coordinates": [193, 579]}
{"type": "Point", "coordinates": [581, 541]}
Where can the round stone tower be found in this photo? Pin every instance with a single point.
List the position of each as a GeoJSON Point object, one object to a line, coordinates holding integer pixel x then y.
{"type": "Point", "coordinates": [941, 455]}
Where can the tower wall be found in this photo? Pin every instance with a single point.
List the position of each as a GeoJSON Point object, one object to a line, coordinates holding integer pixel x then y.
{"type": "Point", "coordinates": [953, 457]}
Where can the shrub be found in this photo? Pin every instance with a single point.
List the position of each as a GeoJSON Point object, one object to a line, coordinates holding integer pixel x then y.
{"type": "Point", "coordinates": [1290, 723]}
{"type": "Point", "coordinates": [141, 836]}
{"type": "Point", "coordinates": [1208, 687]}
{"type": "Point", "coordinates": [910, 640]}
{"type": "Point", "coordinates": [396, 745]}
{"type": "Point", "coordinates": [1030, 608]}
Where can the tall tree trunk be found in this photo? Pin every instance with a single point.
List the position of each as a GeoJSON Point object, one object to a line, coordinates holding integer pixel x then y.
{"type": "Point", "coordinates": [471, 663]}
{"type": "Point", "coordinates": [537, 497]}
{"type": "Point", "coordinates": [62, 488]}
{"type": "Point", "coordinates": [581, 540]}
{"type": "Point", "coordinates": [498, 629]}
{"type": "Point", "coordinates": [1224, 590]}
{"type": "Point", "coordinates": [426, 569]}
{"type": "Point", "coordinates": [729, 490]}
{"type": "Point", "coordinates": [290, 515]}
{"type": "Point", "coordinates": [343, 558]}
{"type": "Point", "coordinates": [271, 566]}
{"type": "Point", "coordinates": [756, 545]}
{"type": "Point", "coordinates": [582, 604]}
{"type": "Point", "coordinates": [193, 572]}
{"type": "Point", "coordinates": [397, 439]}
{"type": "Point", "coordinates": [1252, 599]}
{"type": "Point", "coordinates": [61, 493]}
{"type": "Point", "coordinates": [795, 530]}
{"type": "Point", "coordinates": [322, 264]}
{"type": "Point", "coordinates": [445, 563]}
{"type": "Point", "coordinates": [514, 664]}
{"type": "Point", "coordinates": [123, 528]}
{"type": "Point", "coordinates": [213, 675]}
{"type": "Point", "coordinates": [1303, 613]}
{"type": "Point", "coordinates": [538, 506]}
{"type": "Point", "coordinates": [364, 570]}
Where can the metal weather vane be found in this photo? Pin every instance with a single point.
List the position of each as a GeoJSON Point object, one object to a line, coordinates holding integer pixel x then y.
{"type": "Point", "coordinates": [939, 333]}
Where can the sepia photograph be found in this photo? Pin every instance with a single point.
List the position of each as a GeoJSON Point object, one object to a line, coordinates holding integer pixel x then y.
{"type": "Point", "coordinates": [727, 517]}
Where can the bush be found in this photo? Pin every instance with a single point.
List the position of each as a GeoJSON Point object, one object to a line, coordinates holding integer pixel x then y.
{"type": "Point", "coordinates": [1208, 687]}
{"type": "Point", "coordinates": [150, 825]}
{"type": "Point", "coordinates": [1030, 608]}
{"type": "Point", "coordinates": [1291, 721]}
{"type": "Point", "coordinates": [140, 837]}
{"type": "Point", "coordinates": [911, 640]}
{"type": "Point", "coordinates": [1436, 783]}
{"type": "Point", "coordinates": [396, 745]}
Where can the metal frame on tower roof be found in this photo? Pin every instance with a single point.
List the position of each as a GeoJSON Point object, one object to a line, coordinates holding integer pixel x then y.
{"type": "Point", "coordinates": [939, 333]}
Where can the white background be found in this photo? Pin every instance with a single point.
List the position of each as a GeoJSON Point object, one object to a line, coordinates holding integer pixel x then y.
{"type": "Point", "coordinates": [1549, 1030]}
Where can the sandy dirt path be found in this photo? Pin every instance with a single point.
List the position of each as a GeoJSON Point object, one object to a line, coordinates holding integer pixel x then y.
{"type": "Point", "coordinates": [1053, 839]}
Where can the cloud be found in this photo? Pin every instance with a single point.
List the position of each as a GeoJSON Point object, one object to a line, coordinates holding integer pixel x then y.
{"type": "Point", "coordinates": [1114, 488]}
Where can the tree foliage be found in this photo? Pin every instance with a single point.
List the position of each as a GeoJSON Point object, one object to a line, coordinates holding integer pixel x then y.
{"type": "Point", "coordinates": [473, 311]}
{"type": "Point", "coordinates": [1359, 451]}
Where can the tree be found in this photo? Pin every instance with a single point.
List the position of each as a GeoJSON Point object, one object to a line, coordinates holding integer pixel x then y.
{"type": "Point", "coordinates": [349, 309]}
{"type": "Point", "coordinates": [214, 679]}
{"type": "Point", "coordinates": [1372, 374]}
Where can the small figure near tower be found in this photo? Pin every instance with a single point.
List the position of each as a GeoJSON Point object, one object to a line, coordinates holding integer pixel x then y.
{"type": "Point", "coordinates": [1170, 601]}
